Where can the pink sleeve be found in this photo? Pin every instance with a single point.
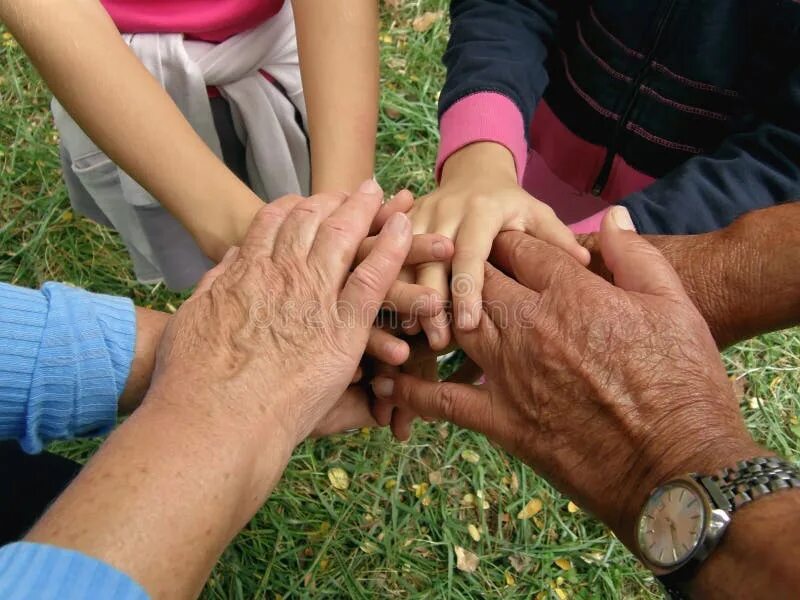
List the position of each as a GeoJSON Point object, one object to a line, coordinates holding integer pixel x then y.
{"type": "Point", "coordinates": [589, 224]}
{"type": "Point", "coordinates": [483, 117]}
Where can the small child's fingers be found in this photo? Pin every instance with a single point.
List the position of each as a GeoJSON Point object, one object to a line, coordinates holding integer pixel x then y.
{"type": "Point", "coordinates": [383, 346]}
{"type": "Point", "coordinates": [437, 330]}
{"type": "Point", "coordinates": [402, 201]}
{"type": "Point", "coordinates": [425, 247]}
{"type": "Point", "coordinates": [411, 300]}
{"type": "Point", "coordinates": [543, 223]}
{"type": "Point", "coordinates": [411, 325]}
{"type": "Point", "coordinates": [473, 246]}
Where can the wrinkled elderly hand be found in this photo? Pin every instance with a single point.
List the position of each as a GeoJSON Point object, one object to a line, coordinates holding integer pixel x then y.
{"type": "Point", "coordinates": [606, 390]}
{"type": "Point", "coordinates": [279, 327]}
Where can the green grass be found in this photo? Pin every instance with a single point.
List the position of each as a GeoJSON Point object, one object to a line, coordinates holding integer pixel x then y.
{"type": "Point", "coordinates": [376, 539]}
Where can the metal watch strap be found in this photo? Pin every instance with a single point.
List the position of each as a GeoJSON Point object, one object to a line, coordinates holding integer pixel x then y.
{"type": "Point", "coordinates": [730, 489]}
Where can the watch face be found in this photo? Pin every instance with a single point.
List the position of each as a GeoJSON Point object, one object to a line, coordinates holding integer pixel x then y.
{"type": "Point", "coordinates": [672, 524]}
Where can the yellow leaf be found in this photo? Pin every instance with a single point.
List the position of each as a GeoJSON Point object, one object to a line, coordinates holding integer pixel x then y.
{"type": "Point", "coordinates": [541, 595]}
{"type": "Point", "coordinates": [67, 216]}
{"type": "Point", "coordinates": [538, 521]}
{"type": "Point", "coordinates": [562, 595]}
{"type": "Point", "coordinates": [338, 478]}
{"type": "Point", "coordinates": [470, 456]}
{"type": "Point", "coordinates": [368, 547]}
{"type": "Point", "coordinates": [390, 484]}
{"type": "Point", "coordinates": [510, 581]}
{"type": "Point", "coordinates": [425, 21]}
{"type": "Point", "coordinates": [420, 489]}
{"type": "Point", "coordinates": [474, 532]}
{"type": "Point", "coordinates": [386, 38]}
{"type": "Point", "coordinates": [468, 500]}
{"type": "Point", "coordinates": [426, 501]}
{"type": "Point", "coordinates": [572, 507]}
{"type": "Point", "coordinates": [531, 508]}
{"type": "Point", "coordinates": [466, 561]}
{"type": "Point", "coordinates": [563, 563]}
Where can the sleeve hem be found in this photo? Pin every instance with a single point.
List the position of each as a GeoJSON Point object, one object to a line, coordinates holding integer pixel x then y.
{"type": "Point", "coordinates": [483, 117]}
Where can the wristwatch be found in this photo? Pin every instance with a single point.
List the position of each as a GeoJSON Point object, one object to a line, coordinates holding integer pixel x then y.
{"type": "Point", "coordinates": [684, 519]}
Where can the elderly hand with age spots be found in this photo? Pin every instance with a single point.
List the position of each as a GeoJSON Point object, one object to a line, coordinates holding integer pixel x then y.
{"type": "Point", "coordinates": [605, 389]}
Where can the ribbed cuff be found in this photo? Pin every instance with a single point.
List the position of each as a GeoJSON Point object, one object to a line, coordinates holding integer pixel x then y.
{"type": "Point", "coordinates": [483, 117]}
{"type": "Point", "coordinates": [64, 361]}
{"type": "Point", "coordinates": [589, 224]}
{"type": "Point", "coordinates": [29, 571]}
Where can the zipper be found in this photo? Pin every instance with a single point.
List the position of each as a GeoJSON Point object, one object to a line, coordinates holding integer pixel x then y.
{"type": "Point", "coordinates": [605, 171]}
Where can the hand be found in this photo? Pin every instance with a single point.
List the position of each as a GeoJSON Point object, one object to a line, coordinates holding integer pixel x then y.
{"type": "Point", "coordinates": [405, 299]}
{"type": "Point", "coordinates": [285, 316]}
{"type": "Point", "coordinates": [606, 391]}
{"type": "Point", "coordinates": [478, 198]}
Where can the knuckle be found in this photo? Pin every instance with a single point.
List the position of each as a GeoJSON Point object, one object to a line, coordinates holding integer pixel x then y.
{"type": "Point", "coordinates": [338, 225]}
{"type": "Point", "coordinates": [369, 276]}
{"type": "Point", "coordinates": [447, 399]}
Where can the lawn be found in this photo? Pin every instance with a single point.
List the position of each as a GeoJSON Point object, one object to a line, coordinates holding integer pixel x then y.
{"type": "Point", "coordinates": [394, 530]}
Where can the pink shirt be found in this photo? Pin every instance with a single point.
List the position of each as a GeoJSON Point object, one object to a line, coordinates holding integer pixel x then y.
{"type": "Point", "coordinates": [208, 20]}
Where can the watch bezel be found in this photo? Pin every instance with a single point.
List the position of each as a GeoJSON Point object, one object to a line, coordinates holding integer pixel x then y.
{"type": "Point", "coordinates": [708, 517]}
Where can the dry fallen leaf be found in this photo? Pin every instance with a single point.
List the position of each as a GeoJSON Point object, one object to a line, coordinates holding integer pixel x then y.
{"type": "Point", "coordinates": [531, 508]}
{"type": "Point", "coordinates": [514, 483]}
{"type": "Point", "coordinates": [510, 580]}
{"type": "Point", "coordinates": [468, 500]}
{"type": "Point", "coordinates": [474, 532]}
{"type": "Point", "coordinates": [338, 478]}
{"type": "Point", "coordinates": [520, 563]}
{"type": "Point", "coordinates": [563, 563]}
{"type": "Point", "coordinates": [470, 456]}
{"type": "Point", "coordinates": [572, 507]}
{"type": "Point", "coordinates": [466, 561]}
{"type": "Point", "coordinates": [425, 21]}
{"type": "Point", "coordinates": [435, 477]}
{"type": "Point", "coordinates": [562, 595]}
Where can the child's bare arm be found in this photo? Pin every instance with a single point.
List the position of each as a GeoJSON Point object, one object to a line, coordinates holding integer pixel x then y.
{"type": "Point", "coordinates": [338, 44]}
{"type": "Point", "coordinates": [79, 53]}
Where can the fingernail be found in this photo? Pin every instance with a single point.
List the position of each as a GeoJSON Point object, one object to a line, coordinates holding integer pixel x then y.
{"type": "Point", "coordinates": [398, 223]}
{"type": "Point", "coordinates": [438, 250]}
{"type": "Point", "coordinates": [465, 320]}
{"type": "Point", "coordinates": [622, 218]}
{"type": "Point", "coordinates": [383, 387]}
{"type": "Point", "coordinates": [434, 338]}
{"type": "Point", "coordinates": [370, 186]}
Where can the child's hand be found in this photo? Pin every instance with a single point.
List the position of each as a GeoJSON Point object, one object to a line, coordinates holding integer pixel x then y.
{"type": "Point", "coordinates": [478, 198]}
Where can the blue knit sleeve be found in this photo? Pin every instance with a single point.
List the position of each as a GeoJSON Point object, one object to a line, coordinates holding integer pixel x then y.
{"type": "Point", "coordinates": [65, 355]}
{"type": "Point", "coordinates": [43, 572]}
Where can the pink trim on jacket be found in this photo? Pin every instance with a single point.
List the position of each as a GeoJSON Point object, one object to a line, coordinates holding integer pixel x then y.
{"type": "Point", "coordinates": [483, 117]}
{"type": "Point", "coordinates": [562, 168]}
{"type": "Point", "coordinates": [207, 20]}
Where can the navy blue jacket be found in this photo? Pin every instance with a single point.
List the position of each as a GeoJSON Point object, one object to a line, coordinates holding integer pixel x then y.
{"type": "Point", "coordinates": [717, 81]}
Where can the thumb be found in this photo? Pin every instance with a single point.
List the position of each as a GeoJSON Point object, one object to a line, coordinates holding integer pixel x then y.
{"type": "Point", "coordinates": [464, 405]}
{"type": "Point", "coordinates": [635, 263]}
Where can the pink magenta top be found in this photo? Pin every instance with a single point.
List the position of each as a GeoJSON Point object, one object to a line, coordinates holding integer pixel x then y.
{"type": "Point", "coordinates": [209, 20]}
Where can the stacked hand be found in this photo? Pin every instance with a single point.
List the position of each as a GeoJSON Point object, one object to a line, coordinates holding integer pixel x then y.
{"type": "Point", "coordinates": [605, 389]}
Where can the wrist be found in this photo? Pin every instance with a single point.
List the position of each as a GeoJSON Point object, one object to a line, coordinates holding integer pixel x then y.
{"type": "Point", "coordinates": [220, 232]}
{"type": "Point", "coordinates": [150, 325]}
{"type": "Point", "coordinates": [701, 448]}
{"type": "Point", "coordinates": [480, 159]}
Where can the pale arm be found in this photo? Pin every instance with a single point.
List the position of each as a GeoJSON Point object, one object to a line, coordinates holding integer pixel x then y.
{"type": "Point", "coordinates": [79, 53]}
{"type": "Point", "coordinates": [338, 45]}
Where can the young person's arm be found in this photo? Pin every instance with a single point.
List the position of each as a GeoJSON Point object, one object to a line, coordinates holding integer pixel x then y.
{"type": "Point", "coordinates": [495, 76]}
{"type": "Point", "coordinates": [81, 56]}
{"type": "Point", "coordinates": [338, 45]}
